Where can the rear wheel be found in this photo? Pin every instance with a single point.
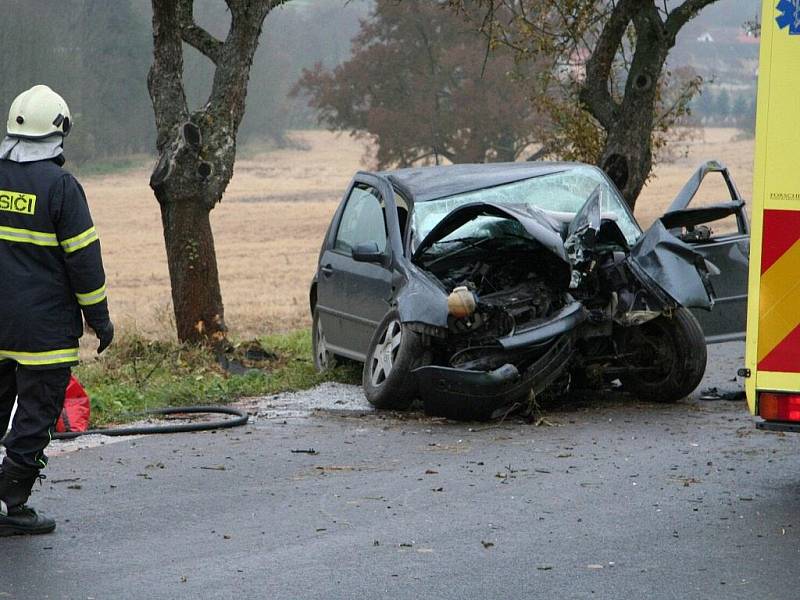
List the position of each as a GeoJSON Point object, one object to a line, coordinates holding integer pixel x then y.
{"type": "Point", "coordinates": [666, 356]}
{"type": "Point", "coordinates": [324, 359]}
{"type": "Point", "coordinates": [394, 351]}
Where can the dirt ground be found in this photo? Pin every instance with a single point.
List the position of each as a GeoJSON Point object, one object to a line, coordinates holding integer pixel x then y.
{"type": "Point", "coordinates": [270, 224]}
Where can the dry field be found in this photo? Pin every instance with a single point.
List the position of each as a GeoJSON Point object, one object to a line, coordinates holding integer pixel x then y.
{"type": "Point", "coordinates": [269, 227]}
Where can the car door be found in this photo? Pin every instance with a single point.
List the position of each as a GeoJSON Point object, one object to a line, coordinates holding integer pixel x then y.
{"type": "Point", "coordinates": [353, 295]}
{"type": "Point", "coordinates": [720, 232]}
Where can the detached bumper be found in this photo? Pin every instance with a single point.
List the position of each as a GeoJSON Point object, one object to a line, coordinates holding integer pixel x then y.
{"type": "Point", "coordinates": [475, 395]}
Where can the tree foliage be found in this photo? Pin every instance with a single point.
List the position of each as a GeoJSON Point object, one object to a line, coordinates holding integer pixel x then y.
{"type": "Point", "coordinates": [96, 53]}
{"type": "Point", "coordinates": [93, 52]}
{"type": "Point", "coordinates": [421, 85]}
{"type": "Point", "coordinates": [607, 89]}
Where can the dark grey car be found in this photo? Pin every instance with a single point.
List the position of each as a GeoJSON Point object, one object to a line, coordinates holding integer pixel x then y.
{"type": "Point", "coordinates": [477, 287]}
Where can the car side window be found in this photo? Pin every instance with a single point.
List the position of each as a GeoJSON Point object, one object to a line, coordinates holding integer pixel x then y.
{"type": "Point", "coordinates": [362, 221]}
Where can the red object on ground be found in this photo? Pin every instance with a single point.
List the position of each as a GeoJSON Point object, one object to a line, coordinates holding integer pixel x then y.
{"type": "Point", "coordinates": [77, 409]}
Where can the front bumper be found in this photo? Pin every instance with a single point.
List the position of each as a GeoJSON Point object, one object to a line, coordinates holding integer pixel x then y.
{"type": "Point", "coordinates": [487, 391]}
{"type": "Point", "coordinates": [566, 319]}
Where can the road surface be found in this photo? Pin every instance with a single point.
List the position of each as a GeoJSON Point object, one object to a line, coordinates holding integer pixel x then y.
{"type": "Point", "coordinates": [617, 499]}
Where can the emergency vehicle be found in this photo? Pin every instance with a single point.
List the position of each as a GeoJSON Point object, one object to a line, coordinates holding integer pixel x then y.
{"type": "Point", "coordinates": [772, 361]}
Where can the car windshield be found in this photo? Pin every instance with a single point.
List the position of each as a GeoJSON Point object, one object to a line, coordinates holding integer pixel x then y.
{"type": "Point", "coordinates": [560, 194]}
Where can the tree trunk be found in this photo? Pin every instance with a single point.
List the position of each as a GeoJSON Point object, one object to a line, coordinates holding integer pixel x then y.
{"type": "Point", "coordinates": [627, 155]}
{"type": "Point", "coordinates": [196, 297]}
{"type": "Point", "coordinates": [187, 188]}
{"type": "Point", "coordinates": [506, 148]}
{"type": "Point", "coordinates": [197, 152]}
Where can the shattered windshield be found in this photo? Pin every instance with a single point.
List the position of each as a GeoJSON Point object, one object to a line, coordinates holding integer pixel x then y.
{"type": "Point", "coordinates": [561, 195]}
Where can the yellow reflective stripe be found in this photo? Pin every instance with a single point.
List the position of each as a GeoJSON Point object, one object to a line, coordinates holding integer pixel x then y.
{"type": "Point", "coordinates": [26, 236]}
{"type": "Point", "coordinates": [94, 297]}
{"type": "Point", "coordinates": [52, 357]}
{"type": "Point", "coordinates": [79, 241]}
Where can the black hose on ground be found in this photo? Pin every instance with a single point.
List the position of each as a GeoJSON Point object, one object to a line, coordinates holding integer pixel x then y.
{"type": "Point", "coordinates": [241, 419]}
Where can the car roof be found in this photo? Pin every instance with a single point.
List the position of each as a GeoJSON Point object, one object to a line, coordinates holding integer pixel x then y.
{"type": "Point", "coordinates": [421, 184]}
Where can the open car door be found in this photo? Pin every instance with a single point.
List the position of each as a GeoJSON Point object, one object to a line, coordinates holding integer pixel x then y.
{"type": "Point", "coordinates": [727, 249]}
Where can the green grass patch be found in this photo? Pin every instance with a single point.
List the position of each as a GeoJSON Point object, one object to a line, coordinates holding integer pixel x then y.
{"type": "Point", "coordinates": [137, 374]}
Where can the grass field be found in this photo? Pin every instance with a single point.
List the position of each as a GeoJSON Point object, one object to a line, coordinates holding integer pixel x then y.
{"type": "Point", "coordinates": [269, 227]}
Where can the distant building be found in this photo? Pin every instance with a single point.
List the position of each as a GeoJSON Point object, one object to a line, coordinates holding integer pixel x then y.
{"type": "Point", "coordinates": [575, 67]}
{"type": "Point", "coordinates": [748, 37]}
{"type": "Point", "coordinates": [706, 38]}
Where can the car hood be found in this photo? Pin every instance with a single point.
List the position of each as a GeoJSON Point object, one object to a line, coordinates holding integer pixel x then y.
{"type": "Point", "coordinates": [538, 224]}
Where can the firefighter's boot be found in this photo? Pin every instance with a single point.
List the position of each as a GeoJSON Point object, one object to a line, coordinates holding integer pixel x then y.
{"type": "Point", "coordinates": [16, 518]}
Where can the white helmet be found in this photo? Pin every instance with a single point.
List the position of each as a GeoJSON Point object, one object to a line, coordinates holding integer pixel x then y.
{"type": "Point", "coordinates": [38, 113]}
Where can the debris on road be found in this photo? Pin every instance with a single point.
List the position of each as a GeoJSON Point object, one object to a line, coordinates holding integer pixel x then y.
{"type": "Point", "coordinates": [713, 394]}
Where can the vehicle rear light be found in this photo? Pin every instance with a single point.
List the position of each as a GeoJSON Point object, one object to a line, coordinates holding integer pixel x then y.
{"type": "Point", "coordinates": [774, 406]}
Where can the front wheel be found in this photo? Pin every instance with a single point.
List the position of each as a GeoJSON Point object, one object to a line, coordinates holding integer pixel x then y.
{"type": "Point", "coordinates": [666, 357]}
{"type": "Point", "coordinates": [394, 351]}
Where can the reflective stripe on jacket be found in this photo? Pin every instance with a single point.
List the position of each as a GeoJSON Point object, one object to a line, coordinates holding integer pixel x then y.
{"type": "Point", "coordinates": [51, 267]}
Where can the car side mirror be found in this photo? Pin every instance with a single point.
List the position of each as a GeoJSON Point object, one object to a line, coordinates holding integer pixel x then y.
{"type": "Point", "coordinates": [368, 252]}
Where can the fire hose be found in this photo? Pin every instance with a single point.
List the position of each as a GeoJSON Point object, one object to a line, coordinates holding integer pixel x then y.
{"type": "Point", "coordinates": [241, 418]}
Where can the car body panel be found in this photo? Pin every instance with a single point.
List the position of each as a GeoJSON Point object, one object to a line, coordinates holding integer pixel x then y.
{"type": "Point", "coordinates": [432, 183]}
{"type": "Point", "coordinates": [728, 252]}
{"type": "Point", "coordinates": [674, 266]}
{"type": "Point", "coordinates": [352, 297]}
{"type": "Point", "coordinates": [420, 299]}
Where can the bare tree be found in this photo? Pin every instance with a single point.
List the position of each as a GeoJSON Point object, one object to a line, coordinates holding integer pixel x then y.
{"type": "Point", "coordinates": [197, 151]}
{"type": "Point", "coordinates": [622, 104]}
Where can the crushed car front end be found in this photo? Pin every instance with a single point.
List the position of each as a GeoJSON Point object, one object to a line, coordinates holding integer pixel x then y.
{"type": "Point", "coordinates": [514, 300]}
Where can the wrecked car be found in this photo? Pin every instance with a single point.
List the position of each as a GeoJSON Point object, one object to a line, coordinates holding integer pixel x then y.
{"type": "Point", "coordinates": [480, 287]}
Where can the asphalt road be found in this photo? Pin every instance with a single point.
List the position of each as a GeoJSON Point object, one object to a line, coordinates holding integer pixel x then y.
{"type": "Point", "coordinates": [617, 500]}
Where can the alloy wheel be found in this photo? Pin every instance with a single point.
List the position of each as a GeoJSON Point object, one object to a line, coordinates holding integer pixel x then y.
{"type": "Point", "coordinates": [385, 353]}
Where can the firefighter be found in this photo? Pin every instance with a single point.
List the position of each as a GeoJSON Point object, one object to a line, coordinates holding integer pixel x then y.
{"type": "Point", "coordinates": [51, 271]}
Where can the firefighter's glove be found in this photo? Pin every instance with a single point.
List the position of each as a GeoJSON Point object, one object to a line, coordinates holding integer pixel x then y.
{"type": "Point", "coordinates": [105, 335]}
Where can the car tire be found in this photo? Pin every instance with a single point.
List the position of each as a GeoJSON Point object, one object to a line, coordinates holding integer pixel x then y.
{"type": "Point", "coordinates": [394, 351]}
{"type": "Point", "coordinates": [679, 341]}
{"type": "Point", "coordinates": [324, 359]}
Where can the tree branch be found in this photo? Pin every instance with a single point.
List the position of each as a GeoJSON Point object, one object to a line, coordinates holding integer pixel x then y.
{"type": "Point", "coordinates": [595, 93]}
{"type": "Point", "coordinates": [682, 15]}
{"type": "Point", "coordinates": [197, 37]}
{"type": "Point", "coordinates": [553, 147]}
{"type": "Point", "coordinates": [165, 79]}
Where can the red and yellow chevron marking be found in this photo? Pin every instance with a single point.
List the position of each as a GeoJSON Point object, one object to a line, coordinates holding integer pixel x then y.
{"type": "Point", "coordinates": [779, 306]}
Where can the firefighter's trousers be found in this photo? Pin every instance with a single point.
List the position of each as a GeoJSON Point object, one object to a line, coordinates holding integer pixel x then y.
{"type": "Point", "coordinates": [40, 398]}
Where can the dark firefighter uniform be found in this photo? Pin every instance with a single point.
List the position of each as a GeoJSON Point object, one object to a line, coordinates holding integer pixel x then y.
{"type": "Point", "coordinates": [51, 271]}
